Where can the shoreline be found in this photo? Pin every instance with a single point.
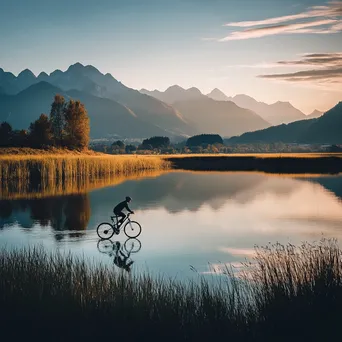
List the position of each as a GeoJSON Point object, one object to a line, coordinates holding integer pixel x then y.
{"type": "Point", "coordinates": [277, 164]}
{"type": "Point", "coordinates": [51, 167]}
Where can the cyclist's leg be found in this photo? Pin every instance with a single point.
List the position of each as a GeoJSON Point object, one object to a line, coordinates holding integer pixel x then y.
{"type": "Point", "coordinates": [122, 215]}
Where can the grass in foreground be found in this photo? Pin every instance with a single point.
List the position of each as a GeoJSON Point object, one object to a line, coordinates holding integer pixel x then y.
{"type": "Point", "coordinates": [287, 294]}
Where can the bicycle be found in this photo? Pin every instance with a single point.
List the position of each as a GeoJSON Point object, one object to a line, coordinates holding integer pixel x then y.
{"type": "Point", "coordinates": [106, 230]}
{"type": "Point", "coordinates": [130, 246]}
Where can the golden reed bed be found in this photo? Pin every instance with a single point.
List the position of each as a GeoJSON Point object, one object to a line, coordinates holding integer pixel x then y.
{"type": "Point", "coordinates": [61, 166]}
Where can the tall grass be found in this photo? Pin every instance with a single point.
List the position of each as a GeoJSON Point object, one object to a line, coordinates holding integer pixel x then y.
{"type": "Point", "coordinates": [286, 293]}
{"type": "Point", "coordinates": [50, 167]}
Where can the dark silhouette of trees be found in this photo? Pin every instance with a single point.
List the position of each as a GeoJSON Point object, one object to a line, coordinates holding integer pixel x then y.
{"type": "Point", "coordinates": [12, 138]}
{"type": "Point", "coordinates": [118, 147]}
{"type": "Point", "coordinates": [57, 118]}
{"type": "Point", "coordinates": [41, 132]}
{"type": "Point", "coordinates": [155, 142]}
{"type": "Point", "coordinates": [5, 134]}
{"type": "Point", "coordinates": [130, 148]}
{"type": "Point", "coordinates": [120, 144]}
{"type": "Point", "coordinates": [204, 140]}
{"type": "Point", "coordinates": [76, 125]}
{"type": "Point", "coordinates": [68, 126]}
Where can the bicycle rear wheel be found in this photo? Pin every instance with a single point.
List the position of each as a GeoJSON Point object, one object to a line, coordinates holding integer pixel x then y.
{"type": "Point", "coordinates": [105, 246]}
{"type": "Point", "coordinates": [105, 230]}
{"type": "Point", "coordinates": [132, 229]}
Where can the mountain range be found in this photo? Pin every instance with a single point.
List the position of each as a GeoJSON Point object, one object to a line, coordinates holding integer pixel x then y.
{"type": "Point", "coordinates": [325, 129]}
{"type": "Point", "coordinates": [208, 115]}
{"type": "Point", "coordinates": [116, 110]}
{"type": "Point", "coordinates": [274, 114]}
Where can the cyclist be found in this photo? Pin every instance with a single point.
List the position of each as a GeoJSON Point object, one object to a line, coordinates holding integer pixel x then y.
{"type": "Point", "coordinates": [121, 206]}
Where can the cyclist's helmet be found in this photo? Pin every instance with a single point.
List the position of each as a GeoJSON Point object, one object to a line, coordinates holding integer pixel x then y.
{"type": "Point", "coordinates": [128, 198]}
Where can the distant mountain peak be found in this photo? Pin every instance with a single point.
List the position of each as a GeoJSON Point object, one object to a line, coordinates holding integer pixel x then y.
{"type": "Point", "coordinates": [91, 67]}
{"type": "Point", "coordinates": [194, 90]}
{"type": "Point", "coordinates": [285, 103]}
{"type": "Point", "coordinates": [43, 74]}
{"type": "Point", "coordinates": [174, 87]}
{"type": "Point", "coordinates": [26, 73]}
{"type": "Point", "coordinates": [218, 95]}
{"type": "Point", "coordinates": [77, 66]}
{"type": "Point", "coordinates": [315, 112]}
{"type": "Point", "coordinates": [56, 72]}
{"type": "Point", "coordinates": [217, 91]}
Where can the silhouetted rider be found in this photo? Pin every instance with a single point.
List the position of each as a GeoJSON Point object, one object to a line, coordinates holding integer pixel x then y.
{"type": "Point", "coordinates": [121, 206]}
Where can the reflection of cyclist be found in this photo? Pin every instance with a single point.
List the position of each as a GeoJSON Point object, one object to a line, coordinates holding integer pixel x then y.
{"type": "Point", "coordinates": [120, 259]}
{"type": "Point", "coordinates": [121, 206]}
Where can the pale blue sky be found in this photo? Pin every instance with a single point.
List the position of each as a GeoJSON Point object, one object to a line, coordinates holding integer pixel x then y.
{"type": "Point", "coordinates": [156, 43]}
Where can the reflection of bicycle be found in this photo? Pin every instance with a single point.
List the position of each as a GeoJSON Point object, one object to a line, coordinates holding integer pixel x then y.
{"type": "Point", "coordinates": [130, 246]}
{"type": "Point", "coordinates": [106, 230]}
{"type": "Point", "coordinates": [120, 252]}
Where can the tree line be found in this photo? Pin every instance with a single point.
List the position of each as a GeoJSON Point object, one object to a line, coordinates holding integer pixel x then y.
{"type": "Point", "coordinates": [204, 144]}
{"type": "Point", "coordinates": [67, 126]}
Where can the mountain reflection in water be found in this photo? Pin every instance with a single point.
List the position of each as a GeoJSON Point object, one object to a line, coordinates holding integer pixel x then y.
{"type": "Point", "coordinates": [187, 218]}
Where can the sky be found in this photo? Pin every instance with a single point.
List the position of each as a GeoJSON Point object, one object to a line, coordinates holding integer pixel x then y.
{"type": "Point", "coordinates": [272, 50]}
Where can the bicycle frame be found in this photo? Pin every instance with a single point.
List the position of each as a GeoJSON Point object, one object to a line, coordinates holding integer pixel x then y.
{"type": "Point", "coordinates": [117, 220]}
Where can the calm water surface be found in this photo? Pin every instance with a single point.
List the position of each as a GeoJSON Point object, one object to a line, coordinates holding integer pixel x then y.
{"type": "Point", "coordinates": [199, 221]}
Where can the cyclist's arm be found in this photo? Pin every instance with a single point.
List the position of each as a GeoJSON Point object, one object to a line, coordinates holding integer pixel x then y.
{"type": "Point", "coordinates": [129, 210]}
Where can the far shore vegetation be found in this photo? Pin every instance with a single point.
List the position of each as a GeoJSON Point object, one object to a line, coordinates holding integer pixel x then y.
{"type": "Point", "coordinates": [56, 147]}
{"type": "Point", "coordinates": [285, 293]}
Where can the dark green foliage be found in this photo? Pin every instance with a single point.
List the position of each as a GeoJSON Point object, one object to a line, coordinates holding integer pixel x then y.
{"type": "Point", "coordinates": [20, 138]}
{"type": "Point", "coordinates": [118, 144]}
{"type": "Point", "coordinates": [41, 132]}
{"type": "Point", "coordinates": [204, 140]}
{"type": "Point", "coordinates": [130, 148]}
{"type": "Point", "coordinates": [57, 117]}
{"type": "Point", "coordinates": [5, 134]}
{"type": "Point", "coordinates": [12, 138]}
{"type": "Point", "coordinates": [155, 142]}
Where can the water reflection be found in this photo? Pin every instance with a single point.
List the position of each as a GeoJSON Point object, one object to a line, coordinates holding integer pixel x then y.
{"type": "Point", "coordinates": [66, 213]}
{"type": "Point", "coordinates": [187, 218]}
{"type": "Point", "coordinates": [121, 252]}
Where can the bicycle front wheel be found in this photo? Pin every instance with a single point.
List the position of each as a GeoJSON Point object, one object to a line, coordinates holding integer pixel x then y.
{"type": "Point", "coordinates": [132, 245]}
{"type": "Point", "coordinates": [132, 229]}
{"type": "Point", "coordinates": [105, 230]}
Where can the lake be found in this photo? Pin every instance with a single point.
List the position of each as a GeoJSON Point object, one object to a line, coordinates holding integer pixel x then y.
{"type": "Point", "coordinates": [192, 223]}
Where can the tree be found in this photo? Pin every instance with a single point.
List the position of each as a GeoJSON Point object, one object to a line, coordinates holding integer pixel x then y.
{"type": "Point", "coordinates": [130, 148]}
{"type": "Point", "coordinates": [41, 132]}
{"type": "Point", "coordinates": [5, 134]}
{"type": "Point", "coordinates": [204, 139]}
{"type": "Point", "coordinates": [76, 125]}
{"type": "Point", "coordinates": [57, 118]}
{"type": "Point", "coordinates": [20, 138]}
{"type": "Point", "coordinates": [156, 142]}
{"type": "Point", "coordinates": [119, 144]}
